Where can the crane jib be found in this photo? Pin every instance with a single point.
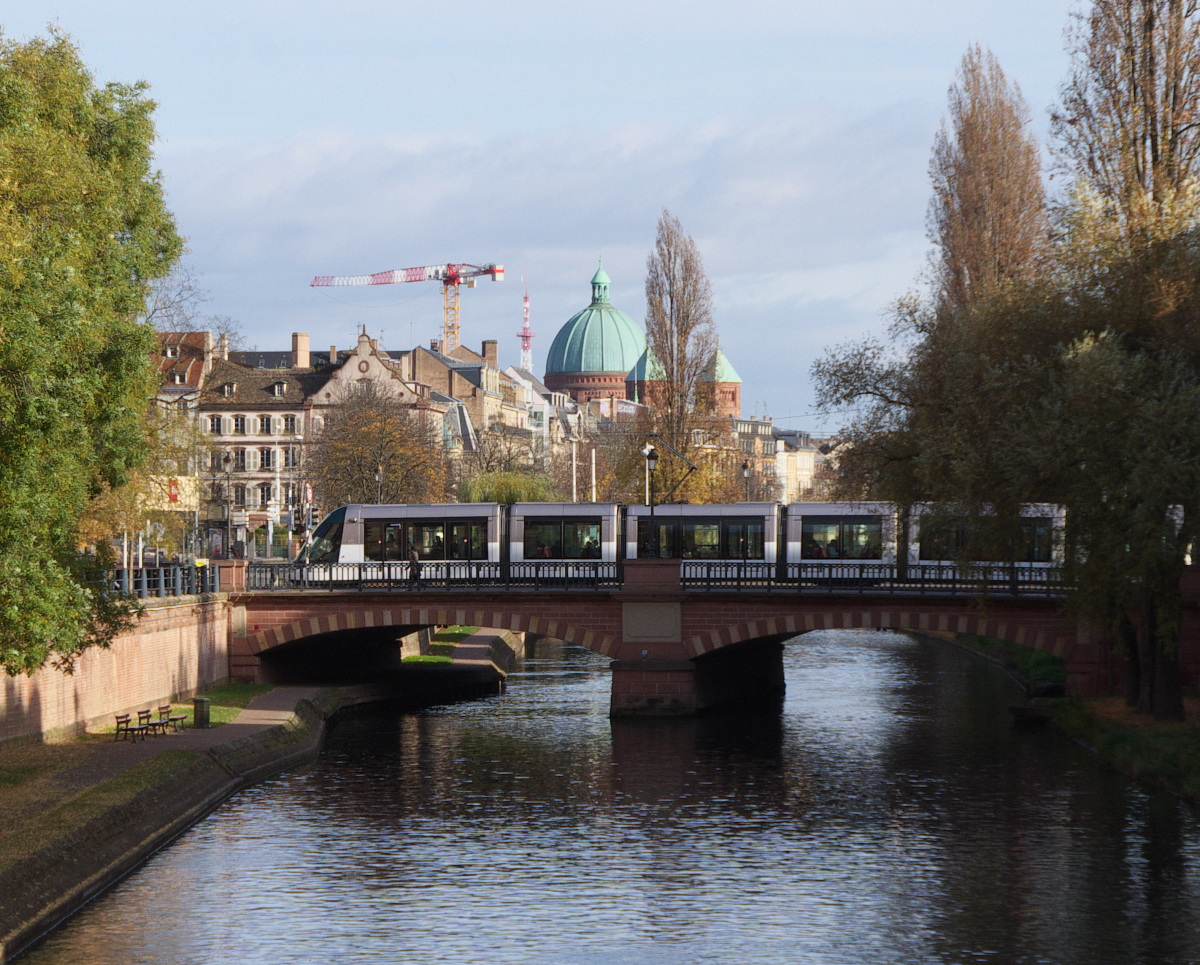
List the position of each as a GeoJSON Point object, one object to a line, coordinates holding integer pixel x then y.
{"type": "Point", "coordinates": [447, 274]}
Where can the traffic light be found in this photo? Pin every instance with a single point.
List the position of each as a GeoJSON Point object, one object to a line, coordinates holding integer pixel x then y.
{"type": "Point", "coordinates": [297, 520]}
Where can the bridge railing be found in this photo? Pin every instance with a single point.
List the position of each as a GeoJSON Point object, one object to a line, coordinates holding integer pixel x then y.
{"type": "Point", "coordinates": [146, 582]}
{"type": "Point", "coordinates": [436, 574]}
{"type": "Point", "coordinates": [758, 576]}
{"type": "Point", "coordinates": [1019, 579]}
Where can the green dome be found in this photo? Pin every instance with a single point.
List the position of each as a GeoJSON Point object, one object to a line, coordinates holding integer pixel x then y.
{"type": "Point", "coordinates": [598, 339]}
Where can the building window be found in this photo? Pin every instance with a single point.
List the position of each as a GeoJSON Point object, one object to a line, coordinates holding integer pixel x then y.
{"type": "Point", "coordinates": [179, 378]}
{"type": "Point", "coordinates": [289, 425]}
{"type": "Point", "coordinates": [228, 389]}
{"type": "Point", "coordinates": [264, 496]}
{"type": "Point", "coordinates": [264, 458]}
{"type": "Point", "coordinates": [239, 460]}
{"type": "Point", "coordinates": [264, 425]}
{"type": "Point", "coordinates": [291, 458]}
{"type": "Point", "coordinates": [182, 405]}
{"type": "Point", "coordinates": [279, 388]}
{"type": "Point", "coordinates": [239, 425]}
{"type": "Point", "coordinates": [239, 495]}
{"type": "Point", "coordinates": [214, 424]}
{"type": "Point", "coordinates": [172, 352]}
{"type": "Point", "coordinates": [218, 493]}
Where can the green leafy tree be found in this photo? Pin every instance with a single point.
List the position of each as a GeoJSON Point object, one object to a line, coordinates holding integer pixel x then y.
{"type": "Point", "coordinates": [84, 231]}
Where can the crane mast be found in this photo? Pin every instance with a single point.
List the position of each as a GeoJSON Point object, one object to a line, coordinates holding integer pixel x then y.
{"type": "Point", "coordinates": [451, 276]}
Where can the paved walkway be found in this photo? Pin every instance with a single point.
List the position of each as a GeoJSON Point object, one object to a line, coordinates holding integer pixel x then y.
{"type": "Point", "coordinates": [114, 757]}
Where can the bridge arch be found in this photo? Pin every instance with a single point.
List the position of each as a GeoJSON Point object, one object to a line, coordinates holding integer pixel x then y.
{"type": "Point", "coordinates": [1036, 632]}
{"type": "Point", "coordinates": [342, 617]}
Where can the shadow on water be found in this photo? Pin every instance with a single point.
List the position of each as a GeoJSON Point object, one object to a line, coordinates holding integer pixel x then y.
{"type": "Point", "coordinates": [887, 812]}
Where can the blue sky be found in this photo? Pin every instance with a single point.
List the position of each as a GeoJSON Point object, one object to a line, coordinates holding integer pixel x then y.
{"type": "Point", "coordinates": [790, 139]}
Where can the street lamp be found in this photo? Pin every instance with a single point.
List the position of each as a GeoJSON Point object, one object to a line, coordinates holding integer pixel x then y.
{"type": "Point", "coordinates": [651, 465]}
{"type": "Point", "coordinates": [378, 484]}
{"type": "Point", "coordinates": [746, 476]}
{"type": "Point", "coordinates": [227, 462]}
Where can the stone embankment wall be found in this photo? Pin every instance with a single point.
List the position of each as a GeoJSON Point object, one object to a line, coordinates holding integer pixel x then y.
{"type": "Point", "coordinates": [179, 646]}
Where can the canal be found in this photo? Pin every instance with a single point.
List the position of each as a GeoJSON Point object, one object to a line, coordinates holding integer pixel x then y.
{"type": "Point", "coordinates": [889, 813]}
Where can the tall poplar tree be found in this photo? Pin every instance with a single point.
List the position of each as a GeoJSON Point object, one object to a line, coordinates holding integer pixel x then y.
{"type": "Point", "coordinates": [987, 214]}
{"type": "Point", "coordinates": [84, 230]}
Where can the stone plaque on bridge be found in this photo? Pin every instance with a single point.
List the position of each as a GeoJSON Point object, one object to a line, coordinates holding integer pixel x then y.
{"type": "Point", "coordinates": [651, 622]}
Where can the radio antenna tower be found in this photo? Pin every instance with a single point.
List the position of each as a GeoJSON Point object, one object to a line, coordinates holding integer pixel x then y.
{"type": "Point", "coordinates": [525, 335]}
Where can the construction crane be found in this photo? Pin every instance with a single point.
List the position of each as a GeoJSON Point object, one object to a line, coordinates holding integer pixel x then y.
{"type": "Point", "coordinates": [451, 276]}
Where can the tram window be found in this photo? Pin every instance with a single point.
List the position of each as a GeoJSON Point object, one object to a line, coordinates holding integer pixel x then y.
{"type": "Point", "coordinates": [820, 538]}
{"type": "Point", "coordinates": [373, 540]}
{"type": "Point", "coordinates": [429, 540]}
{"type": "Point", "coordinates": [327, 540]}
{"type": "Point", "coordinates": [941, 540]}
{"type": "Point", "coordinates": [391, 542]}
{"type": "Point", "coordinates": [862, 540]}
{"type": "Point", "coordinates": [543, 541]}
{"type": "Point", "coordinates": [700, 540]}
{"type": "Point", "coordinates": [1039, 539]}
{"type": "Point", "coordinates": [581, 540]}
{"type": "Point", "coordinates": [460, 542]}
{"type": "Point", "coordinates": [743, 540]}
{"type": "Point", "coordinates": [479, 543]}
{"type": "Point", "coordinates": [666, 539]}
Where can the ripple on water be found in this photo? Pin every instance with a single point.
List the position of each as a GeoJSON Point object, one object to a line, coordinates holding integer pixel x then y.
{"type": "Point", "coordinates": [888, 814]}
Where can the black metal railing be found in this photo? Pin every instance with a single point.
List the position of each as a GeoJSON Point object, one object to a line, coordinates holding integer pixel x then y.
{"type": "Point", "coordinates": [147, 582]}
{"type": "Point", "coordinates": [756, 576]}
{"type": "Point", "coordinates": [436, 574]}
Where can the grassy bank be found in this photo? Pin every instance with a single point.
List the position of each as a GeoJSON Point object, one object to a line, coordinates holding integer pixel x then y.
{"type": "Point", "coordinates": [446, 639]}
{"type": "Point", "coordinates": [1033, 666]}
{"type": "Point", "coordinates": [1161, 753]}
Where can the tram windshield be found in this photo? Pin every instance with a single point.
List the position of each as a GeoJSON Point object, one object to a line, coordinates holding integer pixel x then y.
{"type": "Point", "coordinates": [327, 540]}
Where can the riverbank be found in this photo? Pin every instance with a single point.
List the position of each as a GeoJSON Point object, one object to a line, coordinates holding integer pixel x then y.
{"type": "Point", "coordinates": [1162, 754]}
{"type": "Point", "coordinates": [81, 814]}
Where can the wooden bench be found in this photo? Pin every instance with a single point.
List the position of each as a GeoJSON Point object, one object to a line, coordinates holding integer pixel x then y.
{"type": "Point", "coordinates": [174, 720]}
{"type": "Point", "coordinates": [130, 730]}
{"type": "Point", "coordinates": [153, 726]}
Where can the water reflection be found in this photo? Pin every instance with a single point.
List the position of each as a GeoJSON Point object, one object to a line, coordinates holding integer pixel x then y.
{"type": "Point", "coordinates": [890, 813]}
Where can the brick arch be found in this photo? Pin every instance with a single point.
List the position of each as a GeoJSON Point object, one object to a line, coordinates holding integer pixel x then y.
{"type": "Point", "coordinates": [373, 617]}
{"type": "Point", "coordinates": [1040, 633]}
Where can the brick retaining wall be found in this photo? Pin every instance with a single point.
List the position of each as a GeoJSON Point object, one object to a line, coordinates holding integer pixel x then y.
{"type": "Point", "coordinates": [178, 646]}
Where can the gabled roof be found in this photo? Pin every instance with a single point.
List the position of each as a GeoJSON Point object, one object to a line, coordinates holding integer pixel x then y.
{"type": "Point", "coordinates": [181, 354]}
{"type": "Point", "coordinates": [533, 380]}
{"type": "Point", "coordinates": [255, 387]}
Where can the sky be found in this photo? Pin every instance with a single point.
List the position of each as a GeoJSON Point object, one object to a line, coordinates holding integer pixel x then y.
{"type": "Point", "coordinates": [791, 140]}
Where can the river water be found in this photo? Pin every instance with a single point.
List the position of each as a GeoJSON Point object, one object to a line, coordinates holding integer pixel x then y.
{"type": "Point", "coordinates": [889, 813]}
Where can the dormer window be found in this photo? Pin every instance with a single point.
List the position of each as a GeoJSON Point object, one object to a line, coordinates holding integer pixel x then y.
{"type": "Point", "coordinates": [228, 389]}
{"type": "Point", "coordinates": [172, 352]}
{"type": "Point", "coordinates": [179, 378]}
{"type": "Point", "coordinates": [279, 388]}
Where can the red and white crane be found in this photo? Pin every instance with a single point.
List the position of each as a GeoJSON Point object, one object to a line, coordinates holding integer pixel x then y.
{"type": "Point", "coordinates": [451, 276]}
{"type": "Point", "coordinates": [526, 336]}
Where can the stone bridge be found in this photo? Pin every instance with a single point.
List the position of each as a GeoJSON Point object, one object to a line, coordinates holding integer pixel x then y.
{"type": "Point", "coordinates": [672, 651]}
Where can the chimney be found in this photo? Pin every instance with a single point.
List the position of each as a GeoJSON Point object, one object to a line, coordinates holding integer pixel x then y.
{"type": "Point", "coordinates": [333, 355]}
{"type": "Point", "coordinates": [224, 346]}
{"type": "Point", "coordinates": [300, 350]}
{"type": "Point", "coordinates": [375, 344]}
{"type": "Point", "coordinates": [435, 344]}
{"type": "Point", "coordinates": [489, 351]}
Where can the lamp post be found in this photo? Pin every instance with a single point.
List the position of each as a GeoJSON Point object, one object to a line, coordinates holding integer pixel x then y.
{"type": "Point", "coordinates": [227, 462]}
{"type": "Point", "coordinates": [378, 484]}
{"type": "Point", "coordinates": [651, 465]}
{"type": "Point", "coordinates": [746, 476]}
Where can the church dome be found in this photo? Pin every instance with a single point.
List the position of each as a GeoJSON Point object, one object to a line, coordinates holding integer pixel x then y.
{"type": "Point", "coordinates": [598, 339]}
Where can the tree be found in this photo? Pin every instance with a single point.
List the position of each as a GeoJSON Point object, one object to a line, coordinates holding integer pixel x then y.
{"type": "Point", "coordinates": [371, 430]}
{"type": "Point", "coordinates": [507, 488]}
{"type": "Point", "coordinates": [84, 231]}
{"type": "Point", "coordinates": [1128, 125]}
{"type": "Point", "coordinates": [680, 333]}
{"type": "Point", "coordinates": [987, 215]}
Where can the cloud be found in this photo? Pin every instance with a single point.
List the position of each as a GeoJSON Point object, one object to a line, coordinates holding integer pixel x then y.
{"type": "Point", "coordinates": [810, 222]}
